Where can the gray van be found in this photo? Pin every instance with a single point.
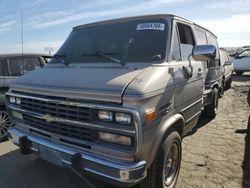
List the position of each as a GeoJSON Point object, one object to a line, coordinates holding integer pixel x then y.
{"type": "Point", "coordinates": [13, 66]}
{"type": "Point", "coordinates": [116, 100]}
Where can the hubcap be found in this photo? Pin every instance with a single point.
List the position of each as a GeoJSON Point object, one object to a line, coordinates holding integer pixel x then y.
{"type": "Point", "coordinates": [5, 123]}
{"type": "Point", "coordinates": [171, 165]}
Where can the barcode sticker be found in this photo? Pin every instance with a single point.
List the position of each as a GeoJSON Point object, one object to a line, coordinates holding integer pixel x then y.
{"type": "Point", "coordinates": [151, 26]}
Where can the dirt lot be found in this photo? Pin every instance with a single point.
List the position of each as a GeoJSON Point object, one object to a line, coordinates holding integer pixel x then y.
{"type": "Point", "coordinates": [216, 154]}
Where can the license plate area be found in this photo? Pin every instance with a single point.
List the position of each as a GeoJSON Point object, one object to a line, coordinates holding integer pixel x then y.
{"type": "Point", "coordinates": [50, 155]}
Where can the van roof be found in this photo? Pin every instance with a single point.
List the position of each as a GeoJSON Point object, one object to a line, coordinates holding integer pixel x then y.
{"type": "Point", "coordinates": [140, 17]}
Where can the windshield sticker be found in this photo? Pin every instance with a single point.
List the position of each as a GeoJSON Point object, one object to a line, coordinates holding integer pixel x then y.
{"type": "Point", "coordinates": [151, 26]}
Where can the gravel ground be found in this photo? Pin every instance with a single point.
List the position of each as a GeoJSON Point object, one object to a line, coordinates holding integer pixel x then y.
{"type": "Point", "coordinates": [216, 154]}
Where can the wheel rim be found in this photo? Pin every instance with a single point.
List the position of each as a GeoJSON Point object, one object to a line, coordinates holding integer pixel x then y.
{"type": "Point", "coordinates": [171, 165]}
{"type": "Point", "coordinates": [5, 123]}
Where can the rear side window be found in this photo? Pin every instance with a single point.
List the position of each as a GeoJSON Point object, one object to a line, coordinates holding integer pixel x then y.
{"type": "Point", "coordinates": [20, 66]}
{"type": "Point", "coordinates": [200, 36]}
{"type": "Point", "coordinates": [212, 40]}
{"type": "Point", "coordinates": [223, 57]}
{"type": "Point", "coordinates": [186, 40]}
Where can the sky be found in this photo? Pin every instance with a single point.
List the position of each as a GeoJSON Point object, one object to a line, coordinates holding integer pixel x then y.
{"type": "Point", "coordinates": [47, 23]}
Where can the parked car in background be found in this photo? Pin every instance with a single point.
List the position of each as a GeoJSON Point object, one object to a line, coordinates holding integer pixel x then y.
{"type": "Point", "coordinates": [228, 69]}
{"type": "Point", "coordinates": [115, 100]}
{"type": "Point", "coordinates": [241, 62]}
{"type": "Point", "coordinates": [11, 67]}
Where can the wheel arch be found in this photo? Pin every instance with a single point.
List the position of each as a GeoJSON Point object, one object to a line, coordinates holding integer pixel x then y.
{"type": "Point", "coordinates": [177, 123]}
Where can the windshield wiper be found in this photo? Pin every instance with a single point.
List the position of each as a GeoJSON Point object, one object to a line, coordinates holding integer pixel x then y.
{"type": "Point", "coordinates": [105, 56]}
{"type": "Point", "coordinates": [59, 58]}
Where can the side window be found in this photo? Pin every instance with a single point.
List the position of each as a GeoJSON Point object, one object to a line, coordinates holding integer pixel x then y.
{"type": "Point", "coordinates": [186, 40]}
{"type": "Point", "coordinates": [216, 62]}
{"type": "Point", "coordinates": [20, 66]}
{"type": "Point", "coordinates": [200, 36]}
{"type": "Point", "coordinates": [31, 64]}
{"type": "Point", "coordinates": [12, 67]}
{"type": "Point", "coordinates": [176, 52]}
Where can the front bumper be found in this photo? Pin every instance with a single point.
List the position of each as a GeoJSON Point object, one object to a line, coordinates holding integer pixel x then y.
{"type": "Point", "coordinates": [119, 174]}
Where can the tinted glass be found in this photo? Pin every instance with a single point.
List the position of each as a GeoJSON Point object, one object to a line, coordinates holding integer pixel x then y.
{"type": "Point", "coordinates": [20, 66]}
{"type": "Point", "coordinates": [137, 41]}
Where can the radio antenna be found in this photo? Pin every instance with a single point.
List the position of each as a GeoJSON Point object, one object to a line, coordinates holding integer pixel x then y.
{"type": "Point", "coordinates": [22, 32]}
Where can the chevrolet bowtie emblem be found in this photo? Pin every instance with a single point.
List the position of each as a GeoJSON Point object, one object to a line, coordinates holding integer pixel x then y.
{"type": "Point", "coordinates": [48, 118]}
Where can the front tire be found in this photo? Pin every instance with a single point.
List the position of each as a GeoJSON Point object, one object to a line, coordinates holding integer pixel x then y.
{"type": "Point", "coordinates": [5, 123]}
{"type": "Point", "coordinates": [165, 169]}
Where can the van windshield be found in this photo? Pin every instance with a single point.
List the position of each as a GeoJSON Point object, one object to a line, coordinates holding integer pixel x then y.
{"type": "Point", "coordinates": [131, 41]}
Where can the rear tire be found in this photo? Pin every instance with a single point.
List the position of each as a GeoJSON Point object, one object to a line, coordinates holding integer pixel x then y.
{"type": "Point", "coordinates": [211, 110]}
{"type": "Point", "coordinates": [222, 89]}
{"type": "Point", "coordinates": [164, 171]}
{"type": "Point", "coordinates": [229, 83]}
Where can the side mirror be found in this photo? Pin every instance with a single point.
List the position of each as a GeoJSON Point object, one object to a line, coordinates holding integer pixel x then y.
{"type": "Point", "coordinates": [204, 52]}
{"type": "Point", "coordinates": [227, 63]}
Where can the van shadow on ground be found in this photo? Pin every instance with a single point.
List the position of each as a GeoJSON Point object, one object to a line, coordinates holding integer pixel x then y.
{"type": "Point", "coordinates": [203, 120]}
{"type": "Point", "coordinates": [29, 171]}
{"type": "Point", "coordinates": [246, 162]}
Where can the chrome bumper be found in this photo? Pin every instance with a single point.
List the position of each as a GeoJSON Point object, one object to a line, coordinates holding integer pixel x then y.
{"type": "Point", "coordinates": [116, 173]}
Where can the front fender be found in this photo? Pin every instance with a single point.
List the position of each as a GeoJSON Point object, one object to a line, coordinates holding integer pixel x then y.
{"type": "Point", "coordinates": [154, 139]}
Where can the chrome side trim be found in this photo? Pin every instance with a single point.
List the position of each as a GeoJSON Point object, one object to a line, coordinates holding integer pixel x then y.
{"type": "Point", "coordinates": [195, 115]}
{"type": "Point", "coordinates": [189, 106]}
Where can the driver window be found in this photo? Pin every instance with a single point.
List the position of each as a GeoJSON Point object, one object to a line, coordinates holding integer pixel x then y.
{"type": "Point", "coordinates": [186, 40]}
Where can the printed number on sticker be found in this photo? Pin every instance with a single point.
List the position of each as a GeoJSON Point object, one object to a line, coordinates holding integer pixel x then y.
{"type": "Point", "coordinates": [151, 26]}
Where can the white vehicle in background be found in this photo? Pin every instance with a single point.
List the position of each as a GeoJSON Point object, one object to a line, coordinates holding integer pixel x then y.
{"type": "Point", "coordinates": [241, 62]}
{"type": "Point", "coordinates": [228, 68]}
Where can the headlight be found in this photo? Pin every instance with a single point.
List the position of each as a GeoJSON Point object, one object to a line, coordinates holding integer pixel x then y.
{"type": "Point", "coordinates": [123, 118]}
{"type": "Point", "coordinates": [116, 139]}
{"type": "Point", "coordinates": [105, 115]}
{"type": "Point", "coordinates": [18, 100]}
{"type": "Point", "coordinates": [12, 100]}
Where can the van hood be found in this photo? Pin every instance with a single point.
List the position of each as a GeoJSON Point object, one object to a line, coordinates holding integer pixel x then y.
{"type": "Point", "coordinates": [103, 83]}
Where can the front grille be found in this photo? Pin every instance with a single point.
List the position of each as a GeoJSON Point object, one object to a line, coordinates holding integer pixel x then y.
{"type": "Point", "coordinates": [62, 129]}
{"type": "Point", "coordinates": [65, 111]}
